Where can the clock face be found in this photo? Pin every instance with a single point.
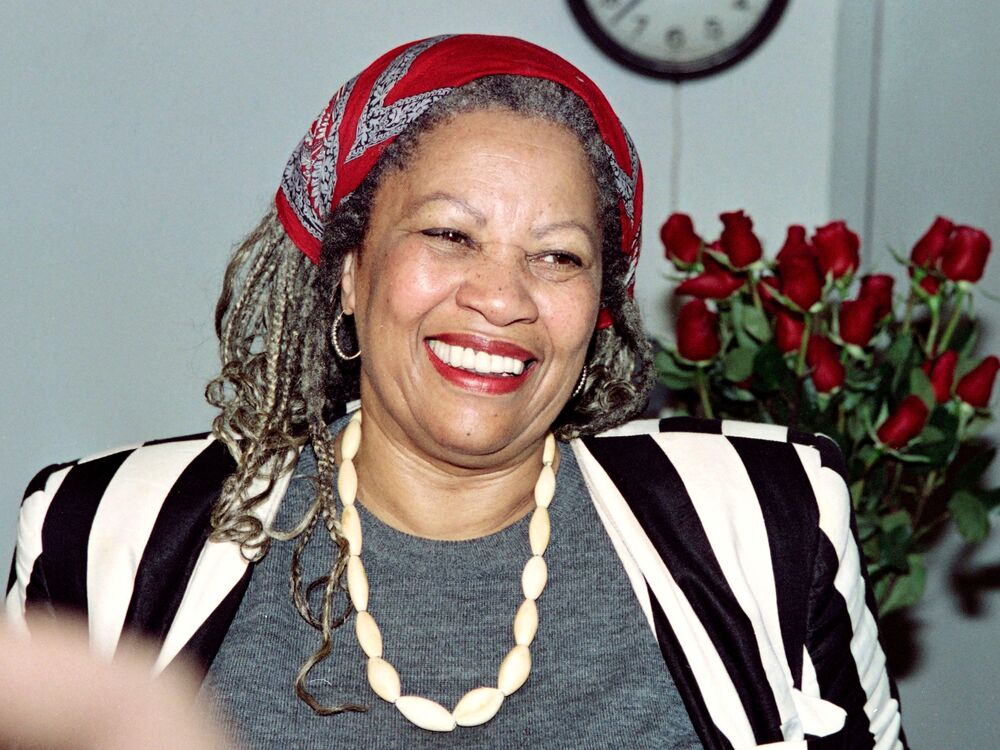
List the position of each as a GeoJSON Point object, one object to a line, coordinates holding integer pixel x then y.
{"type": "Point", "coordinates": [678, 39]}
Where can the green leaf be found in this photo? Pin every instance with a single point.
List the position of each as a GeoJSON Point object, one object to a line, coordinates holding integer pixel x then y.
{"type": "Point", "coordinates": [897, 532]}
{"type": "Point", "coordinates": [755, 322]}
{"type": "Point", "coordinates": [671, 374]}
{"type": "Point", "coordinates": [971, 516]}
{"type": "Point", "coordinates": [920, 385]}
{"type": "Point", "coordinates": [770, 371]}
{"type": "Point", "coordinates": [898, 355]}
{"type": "Point", "coordinates": [972, 471]}
{"type": "Point", "coordinates": [906, 590]}
{"type": "Point", "coordinates": [737, 365]}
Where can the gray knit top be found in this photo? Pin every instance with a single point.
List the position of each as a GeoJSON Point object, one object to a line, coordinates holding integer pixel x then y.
{"type": "Point", "coordinates": [445, 609]}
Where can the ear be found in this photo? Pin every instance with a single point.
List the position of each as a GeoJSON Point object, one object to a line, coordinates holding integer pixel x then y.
{"type": "Point", "coordinates": [347, 283]}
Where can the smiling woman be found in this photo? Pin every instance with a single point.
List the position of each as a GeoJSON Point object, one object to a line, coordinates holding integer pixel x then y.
{"type": "Point", "coordinates": [448, 270]}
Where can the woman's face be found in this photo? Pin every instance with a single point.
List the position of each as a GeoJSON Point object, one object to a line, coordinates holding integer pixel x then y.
{"type": "Point", "coordinates": [477, 288]}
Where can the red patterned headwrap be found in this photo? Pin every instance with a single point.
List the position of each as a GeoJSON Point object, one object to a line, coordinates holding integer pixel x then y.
{"type": "Point", "coordinates": [370, 110]}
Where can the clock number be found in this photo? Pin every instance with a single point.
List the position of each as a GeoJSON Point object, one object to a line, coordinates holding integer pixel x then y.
{"type": "Point", "coordinates": [675, 37]}
{"type": "Point", "coordinates": [641, 22]}
{"type": "Point", "coordinates": [741, 4]}
{"type": "Point", "coordinates": [713, 28]}
{"type": "Point", "coordinates": [629, 6]}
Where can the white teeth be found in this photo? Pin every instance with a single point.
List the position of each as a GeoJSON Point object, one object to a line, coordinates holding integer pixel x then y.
{"type": "Point", "coordinates": [476, 361]}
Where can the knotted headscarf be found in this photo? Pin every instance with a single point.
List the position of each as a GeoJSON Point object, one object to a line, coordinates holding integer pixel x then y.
{"type": "Point", "coordinates": [369, 111]}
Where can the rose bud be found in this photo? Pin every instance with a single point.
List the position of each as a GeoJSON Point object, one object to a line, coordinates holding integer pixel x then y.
{"type": "Point", "coordinates": [977, 384]}
{"type": "Point", "coordinates": [801, 281]}
{"type": "Point", "coordinates": [765, 287]}
{"type": "Point", "coordinates": [857, 321]}
{"type": "Point", "coordinates": [941, 373]}
{"type": "Point", "coordinates": [697, 332]}
{"type": "Point", "coordinates": [930, 285]}
{"type": "Point", "coordinates": [738, 241]}
{"type": "Point", "coordinates": [711, 285]}
{"type": "Point", "coordinates": [823, 358]}
{"type": "Point", "coordinates": [795, 243]}
{"type": "Point", "coordinates": [929, 247]}
{"type": "Point", "coordinates": [905, 423]}
{"type": "Point", "coordinates": [836, 249]}
{"type": "Point", "coordinates": [878, 288]}
{"type": "Point", "coordinates": [964, 257]}
{"type": "Point", "coordinates": [680, 242]}
{"type": "Point", "coordinates": [788, 330]}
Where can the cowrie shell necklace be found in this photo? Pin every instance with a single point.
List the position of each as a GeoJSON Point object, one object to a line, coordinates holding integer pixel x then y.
{"type": "Point", "coordinates": [480, 704]}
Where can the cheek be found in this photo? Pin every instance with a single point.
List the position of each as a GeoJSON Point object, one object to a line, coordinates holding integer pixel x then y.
{"type": "Point", "coordinates": [414, 285]}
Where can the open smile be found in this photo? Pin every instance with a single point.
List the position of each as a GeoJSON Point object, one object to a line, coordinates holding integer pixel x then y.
{"type": "Point", "coordinates": [479, 364]}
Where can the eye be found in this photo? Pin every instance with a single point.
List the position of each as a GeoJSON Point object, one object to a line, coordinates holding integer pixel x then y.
{"type": "Point", "coordinates": [560, 258]}
{"type": "Point", "coordinates": [448, 235]}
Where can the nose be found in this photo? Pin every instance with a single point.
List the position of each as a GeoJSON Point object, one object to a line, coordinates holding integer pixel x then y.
{"type": "Point", "coordinates": [498, 288]}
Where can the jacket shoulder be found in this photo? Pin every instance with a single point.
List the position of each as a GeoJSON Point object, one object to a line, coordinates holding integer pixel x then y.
{"type": "Point", "coordinates": [829, 453]}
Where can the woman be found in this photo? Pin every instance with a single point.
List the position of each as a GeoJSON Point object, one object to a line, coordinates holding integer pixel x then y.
{"type": "Point", "coordinates": [454, 243]}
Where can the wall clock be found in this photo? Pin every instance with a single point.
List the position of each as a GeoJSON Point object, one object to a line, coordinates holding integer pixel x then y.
{"type": "Point", "coordinates": [678, 39]}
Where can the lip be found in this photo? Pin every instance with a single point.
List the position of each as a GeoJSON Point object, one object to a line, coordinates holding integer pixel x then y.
{"type": "Point", "coordinates": [489, 385]}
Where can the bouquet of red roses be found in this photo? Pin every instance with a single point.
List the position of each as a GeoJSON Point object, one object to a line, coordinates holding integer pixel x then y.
{"type": "Point", "coordinates": [795, 341]}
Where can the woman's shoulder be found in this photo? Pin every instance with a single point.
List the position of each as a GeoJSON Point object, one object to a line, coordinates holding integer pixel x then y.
{"type": "Point", "coordinates": [771, 439]}
{"type": "Point", "coordinates": [147, 465]}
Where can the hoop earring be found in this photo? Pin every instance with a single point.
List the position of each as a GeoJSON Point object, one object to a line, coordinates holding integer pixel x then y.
{"type": "Point", "coordinates": [336, 344]}
{"type": "Point", "coordinates": [580, 383]}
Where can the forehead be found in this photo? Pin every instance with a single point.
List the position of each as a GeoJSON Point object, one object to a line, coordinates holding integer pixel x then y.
{"type": "Point", "coordinates": [501, 149]}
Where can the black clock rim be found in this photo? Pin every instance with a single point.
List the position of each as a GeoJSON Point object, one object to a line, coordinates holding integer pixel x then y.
{"type": "Point", "coordinates": [677, 71]}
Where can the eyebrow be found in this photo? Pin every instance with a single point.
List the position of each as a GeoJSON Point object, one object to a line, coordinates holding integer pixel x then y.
{"type": "Point", "coordinates": [477, 215]}
{"type": "Point", "coordinates": [569, 224]}
{"type": "Point", "coordinates": [480, 217]}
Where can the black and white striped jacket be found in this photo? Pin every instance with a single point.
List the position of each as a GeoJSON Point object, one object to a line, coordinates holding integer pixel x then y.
{"type": "Point", "coordinates": [737, 538]}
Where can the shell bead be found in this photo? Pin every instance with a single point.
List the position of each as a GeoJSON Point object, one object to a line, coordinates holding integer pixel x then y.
{"type": "Point", "coordinates": [351, 441]}
{"type": "Point", "coordinates": [549, 451]}
{"type": "Point", "coordinates": [357, 583]}
{"type": "Point", "coordinates": [425, 713]}
{"type": "Point", "coordinates": [545, 487]}
{"type": "Point", "coordinates": [534, 576]}
{"type": "Point", "coordinates": [478, 706]}
{"type": "Point", "coordinates": [526, 623]}
{"type": "Point", "coordinates": [369, 636]}
{"type": "Point", "coordinates": [350, 525]}
{"type": "Point", "coordinates": [514, 669]}
{"type": "Point", "coordinates": [384, 679]}
{"type": "Point", "coordinates": [539, 531]}
{"type": "Point", "coordinates": [347, 482]}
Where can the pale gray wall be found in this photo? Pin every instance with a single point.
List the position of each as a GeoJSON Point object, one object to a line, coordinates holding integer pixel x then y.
{"type": "Point", "coordinates": [140, 141]}
{"type": "Point", "coordinates": [920, 77]}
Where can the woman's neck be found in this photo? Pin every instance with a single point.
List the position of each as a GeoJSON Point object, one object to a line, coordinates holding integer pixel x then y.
{"type": "Point", "coordinates": [432, 498]}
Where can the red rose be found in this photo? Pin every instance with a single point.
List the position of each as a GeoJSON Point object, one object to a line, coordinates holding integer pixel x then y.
{"type": "Point", "coordinates": [929, 247]}
{"type": "Point", "coordinates": [878, 288]}
{"type": "Point", "coordinates": [801, 281]}
{"type": "Point", "coordinates": [738, 241]}
{"type": "Point", "coordinates": [857, 320]}
{"type": "Point", "coordinates": [765, 288]}
{"type": "Point", "coordinates": [788, 330]}
{"type": "Point", "coordinates": [697, 331]}
{"type": "Point", "coordinates": [824, 360]}
{"type": "Point", "coordinates": [795, 243]}
{"type": "Point", "coordinates": [941, 373]}
{"type": "Point", "coordinates": [711, 285]}
{"type": "Point", "coordinates": [837, 249]}
{"type": "Point", "coordinates": [905, 423]}
{"type": "Point", "coordinates": [930, 284]}
{"type": "Point", "coordinates": [964, 257]}
{"type": "Point", "coordinates": [680, 242]}
{"type": "Point", "coordinates": [977, 385]}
